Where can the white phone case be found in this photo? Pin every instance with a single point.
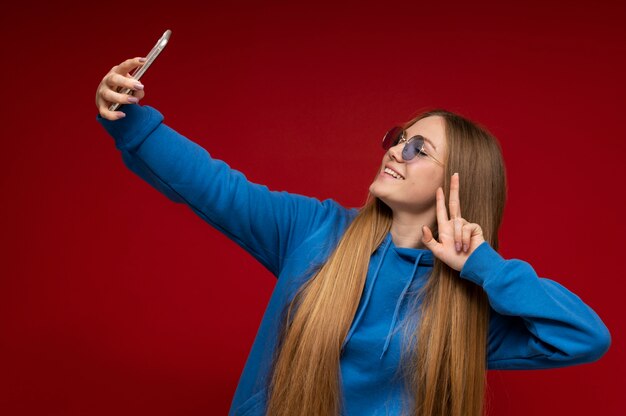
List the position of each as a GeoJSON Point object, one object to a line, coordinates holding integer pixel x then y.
{"type": "Point", "coordinates": [139, 71]}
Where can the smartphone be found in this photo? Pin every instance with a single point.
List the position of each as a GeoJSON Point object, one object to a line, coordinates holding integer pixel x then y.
{"type": "Point", "coordinates": [139, 71]}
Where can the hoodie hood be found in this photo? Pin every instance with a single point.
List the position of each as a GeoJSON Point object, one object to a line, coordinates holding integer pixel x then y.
{"type": "Point", "coordinates": [399, 268]}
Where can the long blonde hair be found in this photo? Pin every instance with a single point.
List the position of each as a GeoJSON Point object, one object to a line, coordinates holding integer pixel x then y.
{"type": "Point", "coordinates": [445, 373]}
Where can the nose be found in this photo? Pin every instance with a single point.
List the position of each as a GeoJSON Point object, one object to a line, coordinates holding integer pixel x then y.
{"type": "Point", "coordinates": [395, 152]}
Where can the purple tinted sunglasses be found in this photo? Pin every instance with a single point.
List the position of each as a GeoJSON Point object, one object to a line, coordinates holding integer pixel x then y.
{"type": "Point", "coordinates": [412, 147]}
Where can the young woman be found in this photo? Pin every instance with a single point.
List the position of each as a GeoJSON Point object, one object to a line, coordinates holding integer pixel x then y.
{"type": "Point", "coordinates": [399, 307]}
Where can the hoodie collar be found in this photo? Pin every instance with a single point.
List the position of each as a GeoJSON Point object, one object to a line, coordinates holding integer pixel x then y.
{"type": "Point", "coordinates": [421, 256]}
{"type": "Point", "coordinates": [417, 257]}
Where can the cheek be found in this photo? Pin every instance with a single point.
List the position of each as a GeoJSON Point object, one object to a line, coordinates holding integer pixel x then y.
{"type": "Point", "coordinates": [428, 178]}
{"type": "Point", "coordinates": [437, 178]}
{"type": "Point", "coordinates": [424, 184]}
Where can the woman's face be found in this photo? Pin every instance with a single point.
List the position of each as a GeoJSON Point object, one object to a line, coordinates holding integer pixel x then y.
{"type": "Point", "coordinates": [416, 191]}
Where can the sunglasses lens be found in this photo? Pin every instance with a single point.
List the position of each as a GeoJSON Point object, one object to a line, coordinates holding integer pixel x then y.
{"type": "Point", "coordinates": [412, 148]}
{"type": "Point", "coordinates": [392, 137]}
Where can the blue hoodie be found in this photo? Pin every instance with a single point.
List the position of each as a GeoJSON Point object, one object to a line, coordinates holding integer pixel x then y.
{"type": "Point", "coordinates": [534, 323]}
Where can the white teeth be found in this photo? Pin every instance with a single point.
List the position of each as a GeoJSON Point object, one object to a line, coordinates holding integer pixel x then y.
{"type": "Point", "coordinates": [393, 173]}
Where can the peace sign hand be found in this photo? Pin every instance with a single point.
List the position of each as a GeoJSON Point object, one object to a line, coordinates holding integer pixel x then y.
{"type": "Point", "coordinates": [458, 237]}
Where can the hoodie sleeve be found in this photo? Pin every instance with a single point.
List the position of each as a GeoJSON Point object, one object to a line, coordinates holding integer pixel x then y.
{"type": "Point", "coordinates": [535, 322]}
{"type": "Point", "coordinates": [267, 224]}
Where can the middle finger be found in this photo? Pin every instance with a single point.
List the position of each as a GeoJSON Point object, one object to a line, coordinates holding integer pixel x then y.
{"type": "Point", "coordinates": [458, 233]}
{"type": "Point", "coordinates": [116, 80]}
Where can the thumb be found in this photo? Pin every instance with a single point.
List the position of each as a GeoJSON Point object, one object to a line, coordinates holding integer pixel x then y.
{"type": "Point", "coordinates": [427, 238]}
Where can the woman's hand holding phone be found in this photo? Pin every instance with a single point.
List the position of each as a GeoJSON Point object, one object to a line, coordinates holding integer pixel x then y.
{"type": "Point", "coordinates": [116, 80]}
{"type": "Point", "coordinates": [120, 86]}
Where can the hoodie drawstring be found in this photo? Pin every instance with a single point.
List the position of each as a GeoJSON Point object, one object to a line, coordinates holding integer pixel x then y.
{"type": "Point", "coordinates": [357, 319]}
{"type": "Point", "coordinates": [400, 299]}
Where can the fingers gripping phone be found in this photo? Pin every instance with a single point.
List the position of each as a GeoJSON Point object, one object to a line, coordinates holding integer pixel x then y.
{"type": "Point", "coordinates": [139, 71]}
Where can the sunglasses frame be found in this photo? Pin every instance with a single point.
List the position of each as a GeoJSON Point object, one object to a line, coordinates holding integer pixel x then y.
{"type": "Point", "coordinates": [389, 142]}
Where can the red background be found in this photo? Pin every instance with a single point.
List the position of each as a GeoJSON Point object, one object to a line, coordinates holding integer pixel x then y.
{"type": "Point", "coordinates": [114, 300]}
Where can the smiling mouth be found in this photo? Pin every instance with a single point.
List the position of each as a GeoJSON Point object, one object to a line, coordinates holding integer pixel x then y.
{"type": "Point", "coordinates": [393, 173]}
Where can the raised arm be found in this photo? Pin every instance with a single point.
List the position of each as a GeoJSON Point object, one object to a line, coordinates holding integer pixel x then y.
{"type": "Point", "coordinates": [267, 224]}
{"type": "Point", "coordinates": [535, 322]}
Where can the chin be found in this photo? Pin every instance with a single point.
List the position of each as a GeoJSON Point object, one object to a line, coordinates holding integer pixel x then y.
{"type": "Point", "coordinates": [373, 189]}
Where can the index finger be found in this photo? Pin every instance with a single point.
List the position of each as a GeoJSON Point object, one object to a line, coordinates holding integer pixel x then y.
{"type": "Point", "coordinates": [128, 65]}
{"type": "Point", "coordinates": [455, 201]}
{"type": "Point", "coordinates": [442, 214]}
